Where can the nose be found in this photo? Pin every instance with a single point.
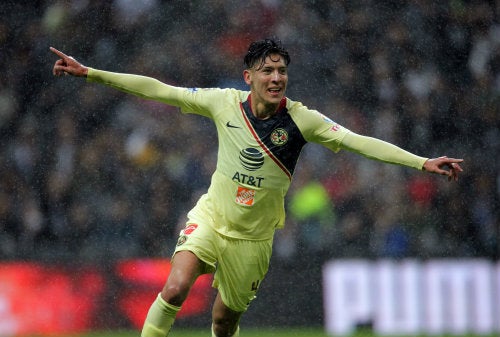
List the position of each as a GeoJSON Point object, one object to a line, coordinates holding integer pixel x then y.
{"type": "Point", "coordinates": [276, 76]}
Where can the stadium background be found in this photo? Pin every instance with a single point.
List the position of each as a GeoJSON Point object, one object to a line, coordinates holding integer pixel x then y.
{"type": "Point", "coordinates": [92, 177]}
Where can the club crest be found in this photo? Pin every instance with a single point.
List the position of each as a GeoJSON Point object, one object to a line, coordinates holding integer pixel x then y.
{"type": "Point", "coordinates": [279, 137]}
{"type": "Point", "coordinates": [182, 240]}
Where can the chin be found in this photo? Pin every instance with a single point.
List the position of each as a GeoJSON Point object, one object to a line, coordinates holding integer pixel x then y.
{"type": "Point", "coordinates": [276, 99]}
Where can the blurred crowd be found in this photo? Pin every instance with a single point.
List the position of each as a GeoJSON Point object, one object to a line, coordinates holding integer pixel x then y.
{"type": "Point", "coordinates": [89, 173]}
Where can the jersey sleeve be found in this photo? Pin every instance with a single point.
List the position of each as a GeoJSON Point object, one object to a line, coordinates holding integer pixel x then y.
{"type": "Point", "coordinates": [189, 100]}
{"type": "Point", "coordinates": [318, 128]}
{"type": "Point", "coordinates": [380, 150]}
{"type": "Point", "coordinates": [142, 86]}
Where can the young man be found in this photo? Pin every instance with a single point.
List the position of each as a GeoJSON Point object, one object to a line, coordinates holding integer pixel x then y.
{"type": "Point", "coordinates": [261, 133]}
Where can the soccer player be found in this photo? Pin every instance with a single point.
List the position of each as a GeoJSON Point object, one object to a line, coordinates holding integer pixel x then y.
{"type": "Point", "coordinates": [261, 132]}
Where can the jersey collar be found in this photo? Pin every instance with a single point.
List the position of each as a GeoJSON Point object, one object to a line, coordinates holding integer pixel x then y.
{"type": "Point", "coordinates": [280, 107]}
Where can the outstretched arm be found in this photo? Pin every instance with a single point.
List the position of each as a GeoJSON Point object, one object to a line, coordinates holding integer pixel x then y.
{"type": "Point", "coordinates": [383, 151]}
{"type": "Point", "coordinates": [142, 86]}
{"type": "Point", "coordinates": [68, 65]}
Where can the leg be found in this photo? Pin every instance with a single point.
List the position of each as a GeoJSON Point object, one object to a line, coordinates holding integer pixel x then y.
{"type": "Point", "coordinates": [241, 269]}
{"type": "Point", "coordinates": [186, 267]}
{"type": "Point", "coordinates": [224, 320]}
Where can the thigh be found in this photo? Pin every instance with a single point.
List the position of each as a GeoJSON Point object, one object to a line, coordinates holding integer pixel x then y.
{"type": "Point", "coordinates": [241, 268]}
{"type": "Point", "coordinates": [202, 241]}
{"type": "Point", "coordinates": [185, 269]}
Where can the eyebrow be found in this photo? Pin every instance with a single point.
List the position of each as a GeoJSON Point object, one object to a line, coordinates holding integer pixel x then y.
{"type": "Point", "coordinates": [264, 64]}
{"type": "Point", "coordinates": [271, 66]}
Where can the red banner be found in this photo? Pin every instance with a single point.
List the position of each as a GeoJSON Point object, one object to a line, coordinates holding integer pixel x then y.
{"type": "Point", "coordinates": [145, 278]}
{"type": "Point", "coordinates": [42, 300]}
{"type": "Point", "coordinates": [37, 299]}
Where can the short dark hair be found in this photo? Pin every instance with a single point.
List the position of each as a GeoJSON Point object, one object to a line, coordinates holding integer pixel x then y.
{"type": "Point", "coordinates": [259, 50]}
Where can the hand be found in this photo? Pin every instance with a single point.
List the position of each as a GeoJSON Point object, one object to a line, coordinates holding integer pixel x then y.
{"type": "Point", "coordinates": [68, 65]}
{"type": "Point", "coordinates": [439, 165]}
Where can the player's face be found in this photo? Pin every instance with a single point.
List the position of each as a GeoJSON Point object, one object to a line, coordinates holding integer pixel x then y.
{"type": "Point", "coordinates": [267, 83]}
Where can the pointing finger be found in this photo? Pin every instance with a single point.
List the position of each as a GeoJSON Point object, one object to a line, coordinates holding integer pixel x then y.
{"type": "Point", "coordinates": [59, 53]}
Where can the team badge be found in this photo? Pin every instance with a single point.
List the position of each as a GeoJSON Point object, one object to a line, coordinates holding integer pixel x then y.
{"type": "Point", "coordinates": [182, 240]}
{"type": "Point", "coordinates": [279, 137]}
{"type": "Point", "coordinates": [185, 232]}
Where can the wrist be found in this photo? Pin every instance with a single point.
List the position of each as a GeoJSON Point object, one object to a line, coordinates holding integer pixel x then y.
{"type": "Point", "coordinates": [424, 164]}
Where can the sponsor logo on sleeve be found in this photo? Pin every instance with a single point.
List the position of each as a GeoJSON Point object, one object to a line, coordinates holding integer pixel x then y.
{"type": "Point", "coordinates": [335, 127]}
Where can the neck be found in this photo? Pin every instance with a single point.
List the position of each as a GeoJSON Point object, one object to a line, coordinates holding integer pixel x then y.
{"type": "Point", "coordinates": [263, 111]}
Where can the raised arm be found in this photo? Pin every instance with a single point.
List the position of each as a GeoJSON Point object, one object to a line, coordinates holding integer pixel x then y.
{"type": "Point", "coordinates": [142, 86]}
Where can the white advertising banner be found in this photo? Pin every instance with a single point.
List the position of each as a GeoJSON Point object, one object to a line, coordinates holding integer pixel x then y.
{"type": "Point", "coordinates": [412, 297]}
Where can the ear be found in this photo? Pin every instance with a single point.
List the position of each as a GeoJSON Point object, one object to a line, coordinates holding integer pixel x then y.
{"type": "Point", "coordinates": [247, 76]}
